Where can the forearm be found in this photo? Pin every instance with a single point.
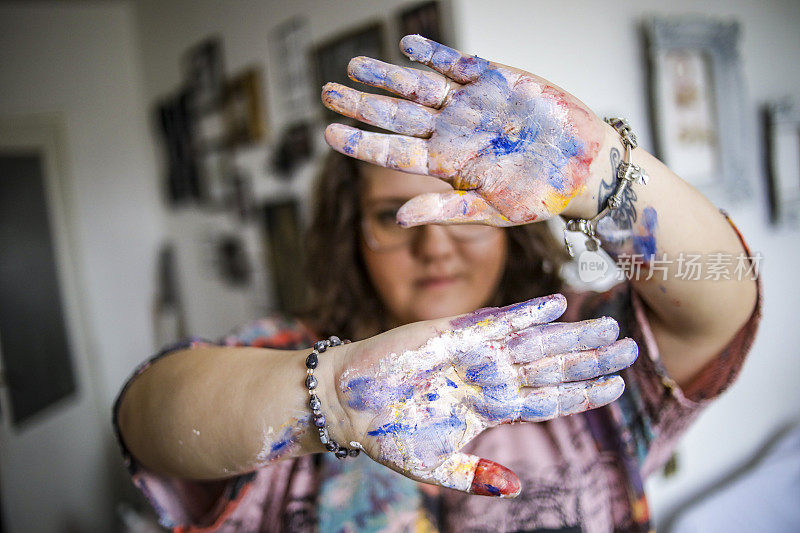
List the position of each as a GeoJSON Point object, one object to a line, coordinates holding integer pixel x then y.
{"type": "Point", "coordinates": [215, 412]}
{"type": "Point", "coordinates": [653, 234]}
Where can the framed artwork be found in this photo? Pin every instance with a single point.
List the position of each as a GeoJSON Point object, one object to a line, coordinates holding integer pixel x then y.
{"type": "Point", "coordinates": [244, 109]}
{"type": "Point", "coordinates": [422, 19]}
{"type": "Point", "coordinates": [284, 253]}
{"type": "Point", "coordinates": [231, 260]}
{"type": "Point", "coordinates": [173, 116]}
{"type": "Point", "coordinates": [332, 56]}
{"type": "Point", "coordinates": [782, 142]}
{"type": "Point", "coordinates": [698, 103]}
{"type": "Point", "coordinates": [294, 148]}
{"type": "Point", "coordinates": [204, 73]}
{"type": "Point", "coordinates": [289, 48]}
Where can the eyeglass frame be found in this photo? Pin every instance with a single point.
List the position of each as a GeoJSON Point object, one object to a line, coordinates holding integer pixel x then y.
{"type": "Point", "coordinates": [371, 242]}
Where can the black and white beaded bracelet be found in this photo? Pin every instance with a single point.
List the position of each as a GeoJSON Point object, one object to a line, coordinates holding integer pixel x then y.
{"type": "Point", "coordinates": [316, 406]}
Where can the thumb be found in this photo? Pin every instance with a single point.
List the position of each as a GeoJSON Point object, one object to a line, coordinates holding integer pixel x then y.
{"type": "Point", "coordinates": [475, 475]}
{"type": "Point", "coordinates": [451, 207]}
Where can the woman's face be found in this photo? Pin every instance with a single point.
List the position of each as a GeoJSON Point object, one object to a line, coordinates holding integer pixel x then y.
{"type": "Point", "coordinates": [428, 272]}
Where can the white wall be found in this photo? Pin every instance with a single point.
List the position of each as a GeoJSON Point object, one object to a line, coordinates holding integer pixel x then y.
{"type": "Point", "coordinates": [79, 61]}
{"type": "Point", "coordinates": [593, 49]}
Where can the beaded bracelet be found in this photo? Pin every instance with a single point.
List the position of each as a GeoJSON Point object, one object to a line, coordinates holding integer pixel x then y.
{"type": "Point", "coordinates": [316, 406]}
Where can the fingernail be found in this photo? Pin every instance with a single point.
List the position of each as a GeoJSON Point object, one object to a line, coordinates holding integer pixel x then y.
{"type": "Point", "coordinates": [606, 390]}
{"type": "Point", "coordinates": [493, 479]}
{"type": "Point", "coordinates": [338, 97]}
{"type": "Point", "coordinates": [417, 48]}
{"type": "Point", "coordinates": [615, 357]}
{"type": "Point", "coordinates": [418, 210]}
{"type": "Point", "coordinates": [366, 71]}
{"type": "Point", "coordinates": [546, 308]}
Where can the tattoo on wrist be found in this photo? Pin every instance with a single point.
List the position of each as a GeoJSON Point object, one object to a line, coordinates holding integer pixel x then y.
{"type": "Point", "coordinates": [625, 215]}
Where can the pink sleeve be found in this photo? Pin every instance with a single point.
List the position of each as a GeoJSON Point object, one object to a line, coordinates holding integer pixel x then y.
{"type": "Point", "coordinates": [670, 408]}
{"type": "Point", "coordinates": [662, 409]}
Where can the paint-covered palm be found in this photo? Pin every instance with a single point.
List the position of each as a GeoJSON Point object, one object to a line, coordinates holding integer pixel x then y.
{"type": "Point", "coordinates": [416, 395]}
{"type": "Point", "coordinates": [515, 147]}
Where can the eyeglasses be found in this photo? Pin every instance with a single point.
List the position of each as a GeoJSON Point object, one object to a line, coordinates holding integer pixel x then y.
{"type": "Point", "coordinates": [382, 233]}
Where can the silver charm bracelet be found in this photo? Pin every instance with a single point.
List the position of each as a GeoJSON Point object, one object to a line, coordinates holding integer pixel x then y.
{"type": "Point", "coordinates": [318, 420]}
{"type": "Point", "coordinates": [626, 174]}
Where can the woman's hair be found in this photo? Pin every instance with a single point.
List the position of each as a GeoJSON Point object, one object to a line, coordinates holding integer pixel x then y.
{"type": "Point", "coordinates": [342, 300]}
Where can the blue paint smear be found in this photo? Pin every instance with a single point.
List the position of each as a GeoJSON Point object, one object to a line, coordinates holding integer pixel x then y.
{"type": "Point", "coordinates": [504, 144]}
{"type": "Point", "coordinates": [392, 427]}
{"type": "Point", "coordinates": [538, 410]}
{"type": "Point", "coordinates": [650, 219]}
{"type": "Point", "coordinates": [370, 75]}
{"type": "Point", "coordinates": [491, 489]}
{"type": "Point", "coordinates": [481, 372]}
{"type": "Point", "coordinates": [646, 244]}
{"type": "Point", "coordinates": [428, 431]}
{"type": "Point", "coordinates": [540, 138]}
{"type": "Point", "coordinates": [334, 92]}
{"type": "Point", "coordinates": [367, 394]}
{"type": "Point", "coordinates": [350, 146]}
{"type": "Point", "coordinates": [287, 438]}
{"type": "Point", "coordinates": [278, 446]}
{"type": "Point", "coordinates": [497, 403]}
{"type": "Point", "coordinates": [443, 57]}
{"type": "Point", "coordinates": [431, 396]}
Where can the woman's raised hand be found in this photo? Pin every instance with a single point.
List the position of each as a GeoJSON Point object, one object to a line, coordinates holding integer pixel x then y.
{"type": "Point", "coordinates": [515, 147]}
{"type": "Point", "coordinates": [415, 395]}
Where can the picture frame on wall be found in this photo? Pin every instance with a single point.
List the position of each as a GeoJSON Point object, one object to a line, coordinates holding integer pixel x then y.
{"type": "Point", "coordinates": [204, 73]}
{"type": "Point", "coordinates": [173, 117]}
{"type": "Point", "coordinates": [284, 251]}
{"type": "Point", "coordinates": [332, 56]}
{"type": "Point", "coordinates": [698, 102]}
{"type": "Point", "coordinates": [423, 19]}
{"type": "Point", "coordinates": [782, 142]}
{"type": "Point", "coordinates": [289, 49]}
{"type": "Point", "coordinates": [244, 109]}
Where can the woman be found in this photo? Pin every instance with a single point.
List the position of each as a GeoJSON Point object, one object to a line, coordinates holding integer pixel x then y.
{"type": "Point", "coordinates": [221, 437]}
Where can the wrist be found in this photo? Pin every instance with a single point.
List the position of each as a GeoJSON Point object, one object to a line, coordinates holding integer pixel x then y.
{"type": "Point", "coordinates": [588, 203]}
{"type": "Point", "coordinates": [329, 428]}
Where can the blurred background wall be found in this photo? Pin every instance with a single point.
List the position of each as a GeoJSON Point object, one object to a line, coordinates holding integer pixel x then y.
{"type": "Point", "coordinates": [98, 69]}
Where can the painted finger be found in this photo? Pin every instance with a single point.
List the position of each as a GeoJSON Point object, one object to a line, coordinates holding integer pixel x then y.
{"type": "Point", "coordinates": [394, 114]}
{"type": "Point", "coordinates": [452, 63]}
{"type": "Point", "coordinates": [451, 207]}
{"type": "Point", "coordinates": [579, 366]}
{"type": "Point", "coordinates": [475, 475]}
{"type": "Point", "coordinates": [546, 403]}
{"type": "Point", "coordinates": [426, 88]}
{"type": "Point", "coordinates": [497, 322]}
{"type": "Point", "coordinates": [391, 151]}
{"type": "Point", "coordinates": [562, 337]}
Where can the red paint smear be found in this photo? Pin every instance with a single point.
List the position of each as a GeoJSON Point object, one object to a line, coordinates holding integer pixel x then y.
{"type": "Point", "coordinates": [579, 165]}
{"type": "Point", "coordinates": [493, 479]}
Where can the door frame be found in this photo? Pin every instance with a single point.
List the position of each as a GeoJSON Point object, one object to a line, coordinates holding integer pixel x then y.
{"type": "Point", "coordinates": [45, 133]}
